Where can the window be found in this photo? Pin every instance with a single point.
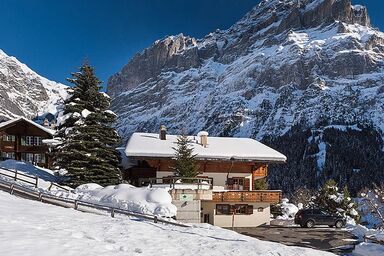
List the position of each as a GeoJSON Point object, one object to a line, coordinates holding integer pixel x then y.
{"type": "Point", "coordinates": [236, 183]}
{"type": "Point", "coordinates": [29, 141]}
{"type": "Point", "coordinates": [243, 209]}
{"type": "Point", "coordinates": [37, 141]}
{"type": "Point", "coordinates": [223, 209]}
{"type": "Point", "coordinates": [8, 137]}
{"type": "Point", "coordinates": [10, 155]}
{"type": "Point", "coordinates": [29, 157]}
{"type": "Point", "coordinates": [40, 158]}
{"type": "Point", "coordinates": [239, 209]}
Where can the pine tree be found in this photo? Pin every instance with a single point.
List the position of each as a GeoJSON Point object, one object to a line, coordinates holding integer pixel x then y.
{"type": "Point", "coordinates": [87, 138]}
{"type": "Point", "coordinates": [330, 199]}
{"type": "Point", "coordinates": [185, 165]}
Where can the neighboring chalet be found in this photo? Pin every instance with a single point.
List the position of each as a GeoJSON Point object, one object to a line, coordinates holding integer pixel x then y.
{"type": "Point", "coordinates": [22, 139]}
{"type": "Point", "coordinates": [231, 164]}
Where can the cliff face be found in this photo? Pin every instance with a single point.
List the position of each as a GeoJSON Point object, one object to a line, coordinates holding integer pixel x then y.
{"type": "Point", "coordinates": [25, 93]}
{"type": "Point", "coordinates": [308, 64]}
{"type": "Point", "coordinates": [284, 63]}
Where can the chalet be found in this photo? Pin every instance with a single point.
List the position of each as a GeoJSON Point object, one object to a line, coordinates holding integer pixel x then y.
{"type": "Point", "coordinates": [22, 139]}
{"type": "Point", "coordinates": [231, 164]}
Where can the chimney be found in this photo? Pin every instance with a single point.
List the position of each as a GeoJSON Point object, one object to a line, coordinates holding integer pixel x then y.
{"type": "Point", "coordinates": [163, 132]}
{"type": "Point", "coordinates": [203, 138]}
{"type": "Point", "coordinates": [46, 122]}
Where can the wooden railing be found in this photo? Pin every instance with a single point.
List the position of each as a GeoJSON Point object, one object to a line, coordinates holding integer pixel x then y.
{"type": "Point", "coordinates": [200, 183]}
{"type": "Point", "coordinates": [268, 196]}
{"type": "Point", "coordinates": [27, 179]}
{"type": "Point", "coordinates": [373, 239]}
{"type": "Point", "coordinates": [14, 188]}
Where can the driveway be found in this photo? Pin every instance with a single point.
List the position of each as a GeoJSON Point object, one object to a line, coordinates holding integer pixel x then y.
{"type": "Point", "coordinates": [321, 238]}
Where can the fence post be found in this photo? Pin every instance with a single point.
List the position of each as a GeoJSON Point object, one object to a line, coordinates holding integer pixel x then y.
{"type": "Point", "coordinates": [37, 181]}
{"type": "Point", "coordinates": [15, 175]}
{"type": "Point", "coordinates": [155, 219]}
{"type": "Point", "coordinates": [11, 189]}
{"type": "Point", "coordinates": [40, 197]}
{"type": "Point", "coordinates": [113, 213]}
{"type": "Point", "coordinates": [76, 205]}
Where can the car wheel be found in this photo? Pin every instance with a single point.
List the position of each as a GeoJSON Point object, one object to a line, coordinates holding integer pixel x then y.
{"type": "Point", "coordinates": [339, 224]}
{"type": "Point", "coordinates": [310, 224]}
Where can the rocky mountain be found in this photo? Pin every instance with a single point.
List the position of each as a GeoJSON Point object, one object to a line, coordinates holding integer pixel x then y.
{"type": "Point", "coordinates": [25, 93]}
{"type": "Point", "coordinates": [312, 64]}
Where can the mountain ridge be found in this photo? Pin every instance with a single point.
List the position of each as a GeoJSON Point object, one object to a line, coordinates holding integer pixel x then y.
{"type": "Point", "coordinates": [304, 77]}
{"type": "Point", "coordinates": [251, 59]}
{"type": "Point", "coordinates": [25, 93]}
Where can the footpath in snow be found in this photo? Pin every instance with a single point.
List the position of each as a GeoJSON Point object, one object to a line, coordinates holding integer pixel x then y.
{"type": "Point", "coordinates": [32, 228]}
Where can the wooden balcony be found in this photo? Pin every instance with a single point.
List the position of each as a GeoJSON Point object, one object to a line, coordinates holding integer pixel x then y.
{"type": "Point", "coordinates": [267, 196]}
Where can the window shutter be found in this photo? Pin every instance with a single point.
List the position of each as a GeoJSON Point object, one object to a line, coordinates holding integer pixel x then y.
{"type": "Point", "coordinates": [246, 184]}
{"type": "Point", "coordinates": [249, 209]}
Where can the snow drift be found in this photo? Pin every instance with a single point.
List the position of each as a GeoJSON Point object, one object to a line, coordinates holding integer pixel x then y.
{"type": "Point", "coordinates": [154, 201]}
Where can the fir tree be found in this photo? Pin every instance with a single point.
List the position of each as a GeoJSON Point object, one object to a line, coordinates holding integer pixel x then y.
{"type": "Point", "coordinates": [185, 165]}
{"type": "Point", "coordinates": [330, 199]}
{"type": "Point", "coordinates": [87, 138]}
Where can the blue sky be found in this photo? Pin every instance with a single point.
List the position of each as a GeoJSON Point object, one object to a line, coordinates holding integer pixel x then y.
{"type": "Point", "coordinates": [54, 37]}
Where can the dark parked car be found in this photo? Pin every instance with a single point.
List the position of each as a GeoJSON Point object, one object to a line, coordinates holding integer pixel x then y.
{"type": "Point", "coordinates": [311, 217]}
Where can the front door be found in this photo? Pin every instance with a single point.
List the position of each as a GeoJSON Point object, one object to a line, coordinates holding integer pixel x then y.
{"type": "Point", "coordinates": [206, 218]}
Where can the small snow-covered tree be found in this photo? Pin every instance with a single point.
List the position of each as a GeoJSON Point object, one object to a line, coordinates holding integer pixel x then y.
{"type": "Point", "coordinates": [371, 206]}
{"type": "Point", "coordinates": [302, 197]}
{"type": "Point", "coordinates": [86, 150]}
{"type": "Point", "coordinates": [185, 165]}
{"type": "Point", "coordinates": [330, 199]}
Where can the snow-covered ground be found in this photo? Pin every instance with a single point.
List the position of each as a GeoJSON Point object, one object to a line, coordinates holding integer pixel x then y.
{"type": "Point", "coordinates": [33, 228]}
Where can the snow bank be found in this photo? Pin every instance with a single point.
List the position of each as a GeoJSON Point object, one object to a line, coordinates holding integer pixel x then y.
{"type": "Point", "coordinates": [365, 249]}
{"type": "Point", "coordinates": [29, 169]}
{"type": "Point", "coordinates": [154, 201]}
{"type": "Point", "coordinates": [288, 210]}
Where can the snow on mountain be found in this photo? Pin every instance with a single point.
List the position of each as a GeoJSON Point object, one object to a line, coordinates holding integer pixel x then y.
{"type": "Point", "coordinates": [30, 227]}
{"type": "Point", "coordinates": [284, 63]}
{"type": "Point", "coordinates": [25, 93]}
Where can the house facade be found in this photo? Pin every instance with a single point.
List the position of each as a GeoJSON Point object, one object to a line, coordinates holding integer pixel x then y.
{"type": "Point", "coordinates": [22, 139]}
{"type": "Point", "coordinates": [232, 165]}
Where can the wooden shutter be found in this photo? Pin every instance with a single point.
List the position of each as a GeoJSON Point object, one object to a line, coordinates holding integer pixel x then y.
{"type": "Point", "coordinates": [246, 184]}
{"type": "Point", "coordinates": [249, 209]}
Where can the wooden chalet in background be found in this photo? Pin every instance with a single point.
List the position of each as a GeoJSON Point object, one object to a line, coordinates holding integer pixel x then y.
{"type": "Point", "coordinates": [232, 164]}
{"type": "Point", "coordinates": [22, 139]}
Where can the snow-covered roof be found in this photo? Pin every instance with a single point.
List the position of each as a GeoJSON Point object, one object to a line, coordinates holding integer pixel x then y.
{"type": "Point", "coordinates": [6, 123]}
{"type": "Point", "coordinates": [218, 148]}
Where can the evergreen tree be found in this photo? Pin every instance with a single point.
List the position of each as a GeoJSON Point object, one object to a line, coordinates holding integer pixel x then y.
{"type": "Point", "coordinates": [185, 165]}
{"type": "Point", "coordinates": [86, 150]}
{"type": "Point", "coordinates": [330, 199]}
{"type": "Point", "coordinates": [260, 184]}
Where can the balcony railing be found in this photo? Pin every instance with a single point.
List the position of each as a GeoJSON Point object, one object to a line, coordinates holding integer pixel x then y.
{"type": "Point", "coordinates": [178, 182]}
{"type": "Point", "coordinates": [267, 196]}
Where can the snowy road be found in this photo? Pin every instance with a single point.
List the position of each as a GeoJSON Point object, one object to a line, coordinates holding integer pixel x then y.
{"type": "Point", "coordinates": [31, 228]}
